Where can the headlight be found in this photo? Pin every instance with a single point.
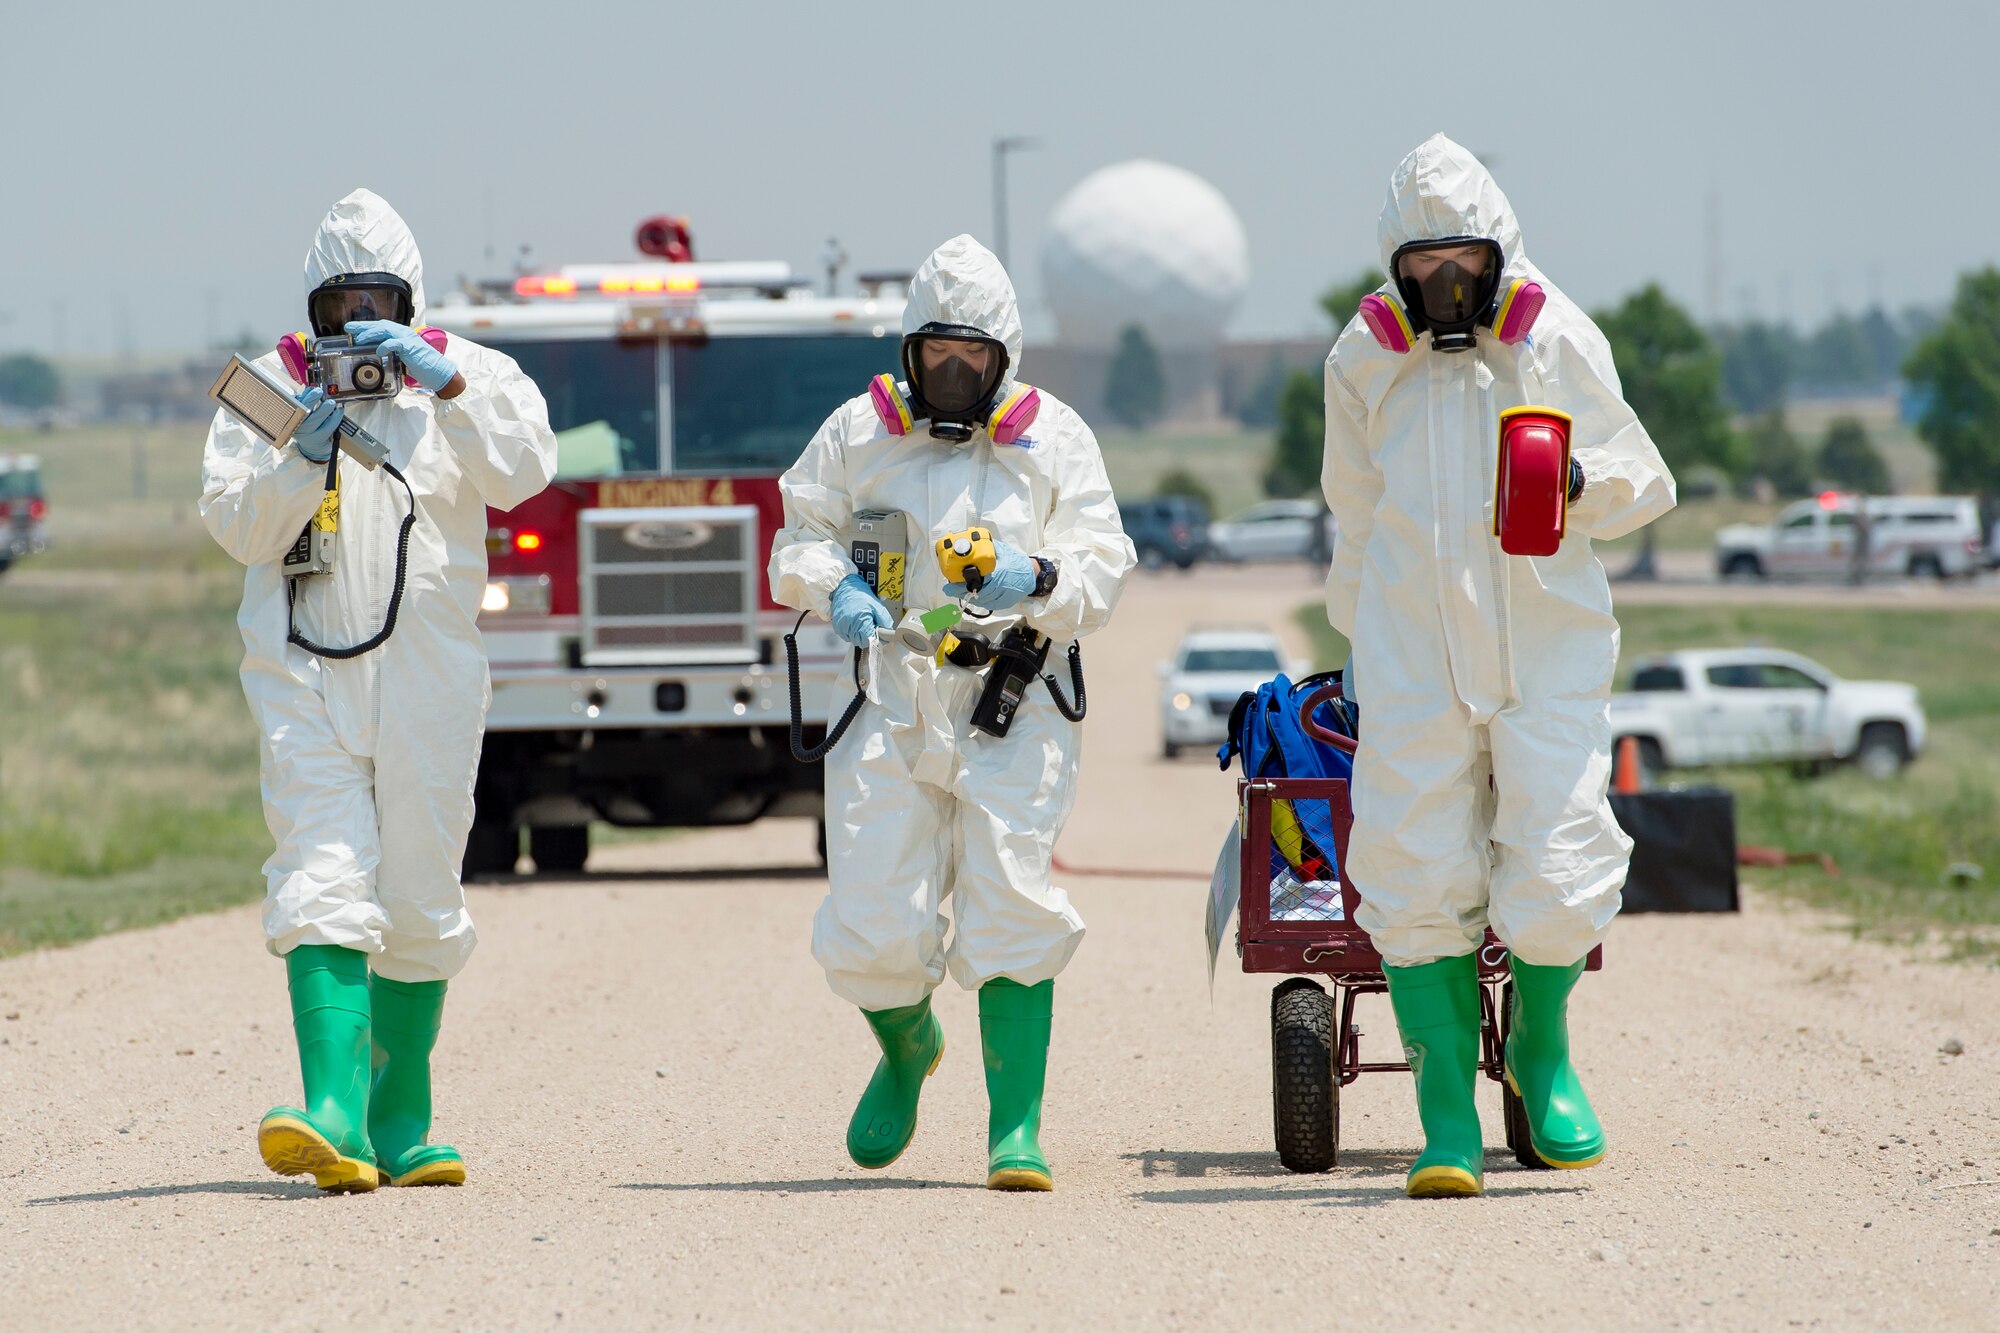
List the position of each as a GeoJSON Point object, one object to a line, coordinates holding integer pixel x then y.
{"type": "Point", "coordinates": [521, 596]}
{"type": "Point", "coordinates": [1183, 701]}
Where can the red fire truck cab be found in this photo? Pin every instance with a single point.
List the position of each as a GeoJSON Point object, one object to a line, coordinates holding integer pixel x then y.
{"type": "Point", "coordinates": [638, 667]}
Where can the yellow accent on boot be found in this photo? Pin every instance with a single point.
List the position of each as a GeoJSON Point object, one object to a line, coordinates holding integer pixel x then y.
{"type": "Point", "coordinates": [447, 1172]}
{"type": "Point", "coordinates": [1556, 1162]}
{"type": "Point", "coordinates": [291, 1146]}
{"type": "Point", "coordinates": [1019, 1178]}
{"type": "Point", "coordinates": [1443, 1182]}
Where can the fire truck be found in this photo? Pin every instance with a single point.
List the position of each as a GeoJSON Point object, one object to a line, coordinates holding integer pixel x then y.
{"type": "Point", "coordinates": [638, 669]}
{"type": "Point", "coordinates": [24, 511]}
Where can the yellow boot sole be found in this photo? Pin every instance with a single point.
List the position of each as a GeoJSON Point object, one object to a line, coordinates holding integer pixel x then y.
{"type": "Point", "coordinates": [431, 1173]}
{"type": "Point", "coordinates": [1019, 1178]}
{"type": "Point", "coordinates": [292, 1147]}
{"type": "Point", "coordinates": [1443, 1182]}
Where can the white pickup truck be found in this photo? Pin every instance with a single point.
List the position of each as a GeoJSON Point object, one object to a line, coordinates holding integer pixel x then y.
{"type": "Point", "coordinates": [1755, 705]}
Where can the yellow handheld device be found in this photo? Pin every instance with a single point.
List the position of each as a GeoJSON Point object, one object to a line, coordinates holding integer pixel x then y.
{"type": "Point", "coordinates": [968, 557]}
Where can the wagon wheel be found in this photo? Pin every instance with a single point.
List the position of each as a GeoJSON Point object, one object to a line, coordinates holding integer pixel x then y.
{"type": "Point", "coordinates": [1305, 1096]}
{"type": "Point", "coordinates": [1511, 1110]}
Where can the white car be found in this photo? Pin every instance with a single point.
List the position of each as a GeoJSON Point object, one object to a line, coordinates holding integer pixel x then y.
{"type": "Point", "coordinates": [1211, 670]}
{"type": "Point", "coordinates": [1273, 530]}
{"type": "Point", "coordinates": [1754, 705]}
{"type": "Point", "coordinates": [1932, 536]}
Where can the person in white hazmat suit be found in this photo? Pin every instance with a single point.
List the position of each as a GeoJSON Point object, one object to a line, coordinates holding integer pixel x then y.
{"type": "Point", "coordinates": [368, 760]}
{"type": "Point", "coordinates": [920, 805]}
{"type": "Point", "coordinates": [1471, 664]}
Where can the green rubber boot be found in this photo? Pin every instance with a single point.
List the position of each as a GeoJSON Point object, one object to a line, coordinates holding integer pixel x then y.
{"type": "Point", "coordinates": [329, 1138]}
{"type": "Point", "coordinates": [885, 1119]}
{"type": "Point", "coordinates": [407, 1015]}
{"type": "Point", "coordinates": [1437, 1010]}
{"type": "Point", "coordinates": [1014, 1029]}
{"type": "Point", "coordinates": [1562, 1127]}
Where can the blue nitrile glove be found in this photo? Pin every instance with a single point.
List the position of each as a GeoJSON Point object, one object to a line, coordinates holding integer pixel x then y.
{"type": "Point", "coordinates": [857, 612]}
{"type": "Point", "coordinates": [1013, 578]}
{"type": "Point", "coordinates": [424, 363]}
{"type": "Point", "coordinates": [314, 437]}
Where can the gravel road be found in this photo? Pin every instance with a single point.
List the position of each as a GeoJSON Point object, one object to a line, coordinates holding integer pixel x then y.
{"type": "Point", "coordinates": [650, 1082]}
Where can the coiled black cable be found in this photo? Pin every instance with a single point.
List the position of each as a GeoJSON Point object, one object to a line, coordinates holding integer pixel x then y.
{"type": "Point", "coordinates": [1073, 713]}
{"type": "Point", "coordinates": [292, 634]}
{"type": "Point", "coordinates": [800, 751]}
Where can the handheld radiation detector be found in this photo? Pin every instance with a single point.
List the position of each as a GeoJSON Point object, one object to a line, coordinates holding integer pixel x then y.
{"type": "Point", "coordinates": [877, 543]}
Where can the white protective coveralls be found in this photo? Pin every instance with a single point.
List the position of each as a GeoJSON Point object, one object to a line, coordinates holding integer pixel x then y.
{"type": "Point", "coordinates": [918, 804]}
{"type": "Point", "coordinates": [1469, 662]}
{"type": "Point", "coordinates": [368, 764]}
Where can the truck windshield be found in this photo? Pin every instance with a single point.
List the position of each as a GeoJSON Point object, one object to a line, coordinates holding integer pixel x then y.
{"type": "Point", "coordinates": [604, 401]}
{"type": "Point", "coordinates": [750, 405]}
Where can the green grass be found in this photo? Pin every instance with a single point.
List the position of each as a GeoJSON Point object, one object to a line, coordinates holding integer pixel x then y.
{"type": "Point", "coordinates": [1230, 465]}
{"type": "Point", "coordinates": [128, 764]}
{"type": "Point", "coordinates": [1892, 840]}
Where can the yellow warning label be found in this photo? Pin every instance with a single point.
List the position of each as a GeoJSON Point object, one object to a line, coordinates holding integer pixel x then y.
{"type": "Point", "coordinates": [889, 586]}
{"type": "Point", "coordinates": [328, 517]}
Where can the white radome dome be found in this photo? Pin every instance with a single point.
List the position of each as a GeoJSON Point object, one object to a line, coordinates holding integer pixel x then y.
{"type": "Point", "coordinates": [1148, 244]}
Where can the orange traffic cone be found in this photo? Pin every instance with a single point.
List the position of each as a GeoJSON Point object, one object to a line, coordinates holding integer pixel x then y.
{"type": "Point", "coordinates": [1626, 775]}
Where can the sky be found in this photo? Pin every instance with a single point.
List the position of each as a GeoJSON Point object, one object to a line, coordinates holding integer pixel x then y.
{"type": "Point", "coordinates": [166, 165]}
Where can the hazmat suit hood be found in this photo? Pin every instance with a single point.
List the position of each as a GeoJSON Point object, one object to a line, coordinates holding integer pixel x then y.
{"type": "Point", "coordinates": [362, 234]}
{"type": "Point", "coordinates": [963, 283]}
{"type": "Point", "coordinates": [1441, 190]}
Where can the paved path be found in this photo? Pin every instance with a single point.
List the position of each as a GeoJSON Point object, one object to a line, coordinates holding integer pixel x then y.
{"type": "Point", "coordinates": [650, 1082]}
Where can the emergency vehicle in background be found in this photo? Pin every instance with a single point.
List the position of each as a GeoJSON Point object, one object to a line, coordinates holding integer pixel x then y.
{"type": "Point", "coordinates": [24, 510]}
{"type": "Point", "coordinates": [637, 657]}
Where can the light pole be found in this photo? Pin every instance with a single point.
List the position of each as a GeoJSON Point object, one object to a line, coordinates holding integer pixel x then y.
{"type": "Point", "coordinates": [1002, 147]}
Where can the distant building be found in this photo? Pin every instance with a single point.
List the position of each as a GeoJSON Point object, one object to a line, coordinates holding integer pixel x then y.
{"type": "Point", "coordinates": [1146, 244]}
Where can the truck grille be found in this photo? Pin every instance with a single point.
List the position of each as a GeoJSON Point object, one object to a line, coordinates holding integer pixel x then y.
{"type": "Point", "coordinates": [669, 586]}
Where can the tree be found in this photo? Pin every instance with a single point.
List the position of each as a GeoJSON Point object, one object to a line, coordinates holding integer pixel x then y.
{"type": "Point", "coordinates": [1757, 362]}
{"type": "Point", "coordinates": [27, 381]}
{"type": "Point", "coordinates": [1342, 300]}
{"type": "Point", "coordinates": [1180, 481]}
{"type": "Point", "coordinates": [1301, 442]}
{"type": "Point", "coordinates": [1672, 377]}
{"type": "Point", "coordinates": [1849, 459]}
{"type": "Point", "coordinates": [1777, 456]}
{"type": "Point", "coordinates": [1259, 410]}
{"type": "Point", "coordinates": [1135, 388]}
{"type": "Point", "coordinates": [1955, 368]}
{"type": "Point", "coordinates": [1838, 355]}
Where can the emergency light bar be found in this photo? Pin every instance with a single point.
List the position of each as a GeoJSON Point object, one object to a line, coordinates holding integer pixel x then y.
{"type": "Point", "coordinates": [658, 279]}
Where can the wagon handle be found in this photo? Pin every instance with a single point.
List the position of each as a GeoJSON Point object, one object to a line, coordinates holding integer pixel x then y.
{"type": "Point", "coordinates": [1313, 729]}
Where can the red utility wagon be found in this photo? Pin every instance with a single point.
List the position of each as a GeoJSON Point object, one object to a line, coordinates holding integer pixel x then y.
{"type": "Point", "coordinates": [1294, 926]}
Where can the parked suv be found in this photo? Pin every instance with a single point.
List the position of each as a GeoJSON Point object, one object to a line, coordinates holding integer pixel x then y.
{"type": "Point", "coordinates": [1933, 536]}
{"type": "Point", "coordinates": [1167, 530]}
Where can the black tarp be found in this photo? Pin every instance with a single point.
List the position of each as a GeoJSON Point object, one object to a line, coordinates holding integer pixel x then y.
{"type": "Point", "coordinates": [1683, 849]}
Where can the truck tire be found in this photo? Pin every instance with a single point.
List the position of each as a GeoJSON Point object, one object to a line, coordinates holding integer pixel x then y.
{"type": "Point", "coordinates": [1652, 760]}
{"type": "Point", "coordinates": [1926, 566]}
{"type": "Point", "coordinates": [491, 849]}
{"type": "Point", "coordinates": [559, 849]}
{"type": "Point", "coordinates": [1742, 565]}
{"type": "Point", "coordinates": [1152, 557]}
{"type": "Point", "coordinates": [1883, 750]}
{"type": "Point", "coordinates": [1305, 1095]}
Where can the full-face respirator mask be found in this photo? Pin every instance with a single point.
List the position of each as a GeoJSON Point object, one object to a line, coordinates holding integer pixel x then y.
{"type": "Point", "coordinates": [1451, 302]}
{"type": "Point", "coordinates": [955, 378]}
{"type": "Point", "coordinates": [327, 359]}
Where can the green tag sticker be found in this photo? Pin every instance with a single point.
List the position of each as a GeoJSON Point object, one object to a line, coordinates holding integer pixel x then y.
{"type": "Point", "coordinates": [941, 619]}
